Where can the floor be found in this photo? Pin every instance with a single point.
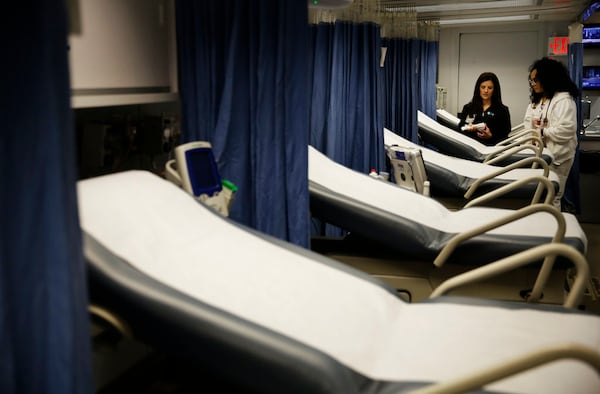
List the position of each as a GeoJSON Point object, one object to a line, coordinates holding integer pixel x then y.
{"type": "Point", "coordinates": [592, 231]}
{"type": "Point", "coordinates": [159, 373]}
{"type": "Point", "coordinates": [589, 217]}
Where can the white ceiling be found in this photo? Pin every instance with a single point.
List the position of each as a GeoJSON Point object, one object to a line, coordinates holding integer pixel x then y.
{"type": "Point", "coordinates": [538, 10]}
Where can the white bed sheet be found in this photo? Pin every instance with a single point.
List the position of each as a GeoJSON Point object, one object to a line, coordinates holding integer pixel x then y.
{"type": "Point", "coordinates": [467, 168]}
{"type": "Point", "coordinates": [427, 122]}
{"type": "Point", "coordinates": [427, 211]}
{"type": "Point", "coordinates": [447, 116]}
{"type": "Point", "coordinates": [166, 234]}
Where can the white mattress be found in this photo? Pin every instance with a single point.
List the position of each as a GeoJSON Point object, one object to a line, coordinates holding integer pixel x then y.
{"type": "Point", "coordinates": [447, 116]}
{"type": "Point", "coordinates": [168, 235]}
{"type": "Point", "coordinates": [467, 168]}
{"type": "Point", "coordinates": [427, 122]}
{"type": "Point", "coordinates": [427, 211]}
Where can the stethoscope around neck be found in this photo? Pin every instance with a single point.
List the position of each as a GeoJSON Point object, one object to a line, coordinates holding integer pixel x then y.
{"type": "Point", "coordinates": [542, 103]}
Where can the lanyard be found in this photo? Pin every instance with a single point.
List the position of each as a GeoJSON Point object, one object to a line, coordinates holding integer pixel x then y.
{"type": "Point", "coordinates": [544, 118]}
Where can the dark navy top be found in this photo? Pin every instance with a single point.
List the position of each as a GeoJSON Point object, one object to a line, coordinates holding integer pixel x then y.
{"type": "Point", "coordinates": [497, 118]}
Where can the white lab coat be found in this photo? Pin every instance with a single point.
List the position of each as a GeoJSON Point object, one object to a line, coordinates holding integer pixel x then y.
{"type": "Point", "coordinates": [560, 132]}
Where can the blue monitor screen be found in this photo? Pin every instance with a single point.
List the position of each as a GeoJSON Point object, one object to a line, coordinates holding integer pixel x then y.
{"type": "Point", "coordinates": [202, 170]}
{"type": "Point", "coordinates": [591, 77]}
{"type": "Point", "coordinates": [591, 35]}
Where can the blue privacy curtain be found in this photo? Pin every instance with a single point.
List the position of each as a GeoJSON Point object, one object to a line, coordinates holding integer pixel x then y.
{"type": "Point", "coordinates": [44, 328]}
{"type": "Point", "coordinates": [242, 82]}
{"type": "Point", "coordinates": [428, 51]}
{"type": "Point", "coordinates": [575, 66]}
{"type": "Point", "coordinates": [409, 72]}
{"type": "Point", "coordinates": [345, 116]}
{"type": "Point", "coordinates": [401, 87]}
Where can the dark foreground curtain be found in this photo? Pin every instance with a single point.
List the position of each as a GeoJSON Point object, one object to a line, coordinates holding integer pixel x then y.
{"type": "Point", "coordinates": [427, 76]}
{"type": "Point", "coordinates": [575, 66]}
{"type": "Point", "coordinates": [242, 80]}
{"type": "Point", "coordinates": [401, 87]}
{"type": "Point", "coordinates": [44, 329]}
{"type": "Point", "coordinates": [345, 116]}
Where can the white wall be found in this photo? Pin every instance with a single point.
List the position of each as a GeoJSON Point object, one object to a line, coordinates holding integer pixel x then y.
{"type": "Point", "coordinates": [507, 50]}
{"type": "Point", "coordinates": [124, 47]}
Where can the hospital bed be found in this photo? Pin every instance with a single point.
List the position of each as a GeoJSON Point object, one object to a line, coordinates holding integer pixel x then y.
{"type": "Point", "coordinates": [453, 143]}
{"type": "Point", "coordinates": [396, 234]}
{"type": "Point", "coordinates": [447, 119]}
{"type": "Point", "coordinates": [274, 318]}
{"type": "Point", "coordinates": [456, 182]}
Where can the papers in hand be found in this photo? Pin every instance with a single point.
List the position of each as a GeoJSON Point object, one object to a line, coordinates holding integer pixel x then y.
{"type": "Point", "coordinates": [478, 126]}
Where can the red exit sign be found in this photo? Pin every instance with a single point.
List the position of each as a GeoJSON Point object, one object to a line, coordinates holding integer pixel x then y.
{"type": "Point", "coordinates": [558, 46]}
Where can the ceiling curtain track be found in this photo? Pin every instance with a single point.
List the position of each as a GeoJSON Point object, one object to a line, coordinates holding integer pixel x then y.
{"type": "Point", "coordinates": [410, 69]}
{"type": "Point", "coordinates": [408, 56]}
{"type": "Point", "coordinates": [242, 83]}
{"type": "Point", "coordinates": [394, 21]}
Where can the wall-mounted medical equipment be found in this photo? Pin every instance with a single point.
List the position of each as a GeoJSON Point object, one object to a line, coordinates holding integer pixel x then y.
{"type": "Point", "coordinates": [195, 170]}
{"type": "Point", "coordinates": [591, 34]}
{"type": "Point", "coordinates": [408, 168]}
{"type": "Point", "coordinates": [441, 97]}
{"type": "Point", "coordinates": [590, 77]}
{"type": "Point", "coordinates": [382, 57]}
{"type": "Point", "coordinates": [586, 107]}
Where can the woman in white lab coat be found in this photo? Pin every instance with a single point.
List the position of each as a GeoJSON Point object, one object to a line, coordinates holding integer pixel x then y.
{"type": "Point", "coordinates": [553, 113]}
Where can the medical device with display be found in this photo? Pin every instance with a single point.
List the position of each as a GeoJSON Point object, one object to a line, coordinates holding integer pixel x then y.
{"type": "Point", "coordinates": [195, 170]}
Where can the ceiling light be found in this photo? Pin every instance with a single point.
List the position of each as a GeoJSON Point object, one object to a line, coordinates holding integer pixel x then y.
{"type": "Point", "coordinates": [483, 20]}
{"type": "Point", "coordinates": [475, 5]}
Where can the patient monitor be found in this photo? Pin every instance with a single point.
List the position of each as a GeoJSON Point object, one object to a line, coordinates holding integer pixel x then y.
{"type": "Point", "coordinates": [194, 169]}
{"type": "Point", "coordinates": [408, 168]}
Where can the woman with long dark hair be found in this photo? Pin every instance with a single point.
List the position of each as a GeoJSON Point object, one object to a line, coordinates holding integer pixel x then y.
{"type": "Point", "coordinates": [485, 118]}
{"type": "Point", "coordinates": [553, 113]}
